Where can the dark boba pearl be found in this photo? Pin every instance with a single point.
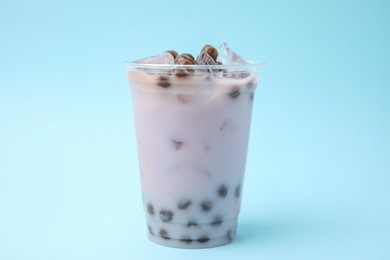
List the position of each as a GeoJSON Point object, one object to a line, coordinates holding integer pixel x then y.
{"type": "Point", "coordinates": [251, 84]}
{"type": "Point", "coordinates": [223, 125]}
{"type": "Point", "coordinates": [216, 221]}
{"type": "Point", "coordinates": [203, 239]}
{"type": "Point", "coordinates": [182, 73]}
{"type": "Point", "coordinates": [173, 53]}
{"type": "Point", "coordinates": [234, 92]}
{"type": "Point", "coordinates": [150, 209]}
{"type": "Point", "coordinates": [192, 224]}
{"type": "Point", "coordinates": [163, 81]}
{"type": "Point", "coordinates": [184, 204]}
{"type": "Point", "coordinates": [186, 239]}
{"type": "Point", "coordinates": [166, 215]}
{"type": "Point", "coordinates": [206, 205]}
{"type": "Point", "coordinates": [188, 56]}
{"type": "Point", "coordinates": [177, 144]}
{"type": "Point", "coordinates": [184, 60]}
{"type": "Point", "coordinates": [210, 50]}
{"type": "Point", "coordinates": [164, 234]}
{"type": "Point", "coordinates": [150, 229]}
{"type": "Point", "coordinates": [237, 191]}
{"type": "Point", "coordinates": [222, 191]}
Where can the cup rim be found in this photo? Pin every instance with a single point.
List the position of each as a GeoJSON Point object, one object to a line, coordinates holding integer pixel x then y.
{"type": "Point", "coordinates": [251, 65]}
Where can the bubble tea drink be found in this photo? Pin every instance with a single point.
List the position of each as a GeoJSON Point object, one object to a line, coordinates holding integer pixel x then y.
{"type": "Point", "coordinates": [192, 119]}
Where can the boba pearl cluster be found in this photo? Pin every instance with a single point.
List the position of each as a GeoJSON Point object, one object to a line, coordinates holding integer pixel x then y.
{"type": "Point", "coordinates": [189, 230]}
{"type": "Point", "coordinates": [192, 118]}
{"type": "Point", "coordinates": [209, 62]}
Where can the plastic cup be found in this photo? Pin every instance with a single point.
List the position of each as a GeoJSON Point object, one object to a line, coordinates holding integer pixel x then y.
{"type": "Point", "coordinates": [192, 136]}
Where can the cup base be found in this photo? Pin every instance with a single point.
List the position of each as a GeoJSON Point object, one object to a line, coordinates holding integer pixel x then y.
{"type": "Point", "coordinates": [193, 244]}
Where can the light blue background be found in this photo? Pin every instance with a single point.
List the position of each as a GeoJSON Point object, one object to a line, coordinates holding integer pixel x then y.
{"type": "Point", "coordinates": [317, 181]}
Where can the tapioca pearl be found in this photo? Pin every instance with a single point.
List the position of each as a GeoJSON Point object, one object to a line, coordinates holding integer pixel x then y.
{"type": "Point", "coordinates": [192, 223]}
{"type": "Point", "coordinates": [183, 205]}
{"type": "Point", "coordinates": [166, 215]}
{"type": "Point", "coordinates": [172, 52]}
{"type": "Point", "coordinates": [163, 81]}
{"type": "Point", "coordinates": [150, 209]}
{"type": "Point", "coordinates": [206, 205]}
{"type": "Point", "coordinates": [237, 191]}
{"type": "Point", "coordinates": [251, 84]}
{"type": "Point", "coordinates": [164, 234]}
{"type": "Point", "coordinates": [216, 221]}
{"type": "Point", "coordinates": [251, 96]}
{"type": "Point", "coordinates": [210, 50]}
{"type": "Point", "coordinates": [150, 229]}
{"type": "Point", "coordinates": [177, 144]}
{"type": "Point", "coordinates": [184, 60]}
{"type": "Point", "coordinates": [235, 92]}
{"type": "Point", "coordinates": [223, 125]}
{"type": "Point", "coordinates": [188, 56]}
{"type": "Point", "coordinates": [222, 191]}
{"type": "Point", "coordinates": [186, 239]}
{"type": "Point", "coordinates": [203, 239]}
{"type": "Point", "coordinates": [182, 73]}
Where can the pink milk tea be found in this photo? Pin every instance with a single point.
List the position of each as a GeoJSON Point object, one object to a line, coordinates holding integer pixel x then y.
{"type": "Point", "coordinates": [192, 136]}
